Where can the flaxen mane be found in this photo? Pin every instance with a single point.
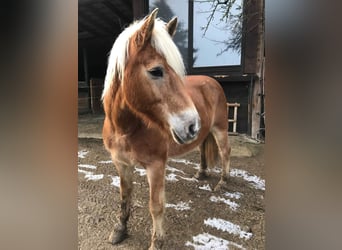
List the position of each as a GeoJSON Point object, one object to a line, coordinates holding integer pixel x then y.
{"type": "Point", "coordinates": [119, 53]}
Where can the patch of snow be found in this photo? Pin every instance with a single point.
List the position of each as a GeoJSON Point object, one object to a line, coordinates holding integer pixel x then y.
{"type": "Point", "coordinates": [87, 166]}
{"type": "Point", "coordinates": [141, 171]}
{"type": "Point", "coordinates": [207, 241]}
{"type": "Point", "coordinates": [227, 226]}
{"type": "Point", "coordinates": [232, 205]}
{"type": "Point", "coordinates": [188, 179]}
{"type": "Point", "coordinates": [186, 162]}
{"type": "Point", "coordinates": [171, 169]}
{"type": "Point", "coordinates": [91, 175]}
{"type": "Point", "coordinates": [115, 181]}
{"type": "Point", "coordinates": [179, 206]}
{"type": "Point", "coordinates": [255, 181]}
{"type": "Point", "coordinates": [205, 187]}
{"type": "Point", "coordinates": [235, 195]}
{"type": "Point", "coordinates": [171, 177]}
{"type": "Point", "coordinates": [82, 154]}
{"type": "Point", "coordinates": [94, 177]}
{"type": "Point", "coordinates": [106, 162]}
{"type": "Point", "coordinates": [84, 172]}
{"type": "Point", "coordinates": [216, 170]}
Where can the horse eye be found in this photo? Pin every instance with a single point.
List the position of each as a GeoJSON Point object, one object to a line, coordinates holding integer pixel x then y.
{"type": "Point", "coordinates": [156, 72]}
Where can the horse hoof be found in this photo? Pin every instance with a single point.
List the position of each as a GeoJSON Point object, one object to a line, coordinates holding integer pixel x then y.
{"type": "Point", "coordinates": [220, 185]}
{"type": "Point", "coordinates": [118, 235]}
{"type": "Point", "coordinates": [157, 245]}
{"type": "Point", "coordinates": [201, 175]}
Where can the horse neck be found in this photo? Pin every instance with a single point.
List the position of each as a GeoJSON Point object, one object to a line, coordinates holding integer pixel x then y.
{"type": "Point", "coordinates": [123, 118]}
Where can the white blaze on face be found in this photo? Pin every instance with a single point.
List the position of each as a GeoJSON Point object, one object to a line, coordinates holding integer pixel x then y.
{"type": "Point", "coordinates": [185, 125]}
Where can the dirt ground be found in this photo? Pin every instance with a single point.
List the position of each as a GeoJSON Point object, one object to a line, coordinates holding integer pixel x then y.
{"type": "Point", "coordinates": [196, 217]}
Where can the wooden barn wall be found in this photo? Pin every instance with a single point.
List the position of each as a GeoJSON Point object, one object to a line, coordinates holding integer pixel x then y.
{"type": "Point", "coordinates": [238, 92]}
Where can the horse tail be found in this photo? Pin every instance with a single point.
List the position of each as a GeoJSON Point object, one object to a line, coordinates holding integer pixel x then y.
{"type": "Point", "coordinates": [211, 151]}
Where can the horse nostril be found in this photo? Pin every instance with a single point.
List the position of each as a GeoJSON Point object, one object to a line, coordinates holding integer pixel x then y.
{"type": "Point", "coordinates": [192, 130]}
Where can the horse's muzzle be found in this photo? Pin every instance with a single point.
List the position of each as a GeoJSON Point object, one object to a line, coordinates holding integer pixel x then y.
{"type": "Point", "coordinates": [185, 126]}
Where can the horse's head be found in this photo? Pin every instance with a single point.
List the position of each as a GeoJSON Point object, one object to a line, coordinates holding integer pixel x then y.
{"type": "Point", "coordinates": [152, 78]}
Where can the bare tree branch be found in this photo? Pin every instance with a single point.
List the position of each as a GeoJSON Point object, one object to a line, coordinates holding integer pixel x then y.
{"type": "Point", "coordinates": [211, 17]}
{"type": "Point", "coordinates": [233, 22]}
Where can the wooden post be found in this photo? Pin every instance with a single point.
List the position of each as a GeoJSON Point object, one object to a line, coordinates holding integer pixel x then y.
{"type": "Point", "coordinates": [255, 109]}
{"type": "Point", "coordinates": [235, 118]}
{"type": "Point", "coordinates": [257, 90]}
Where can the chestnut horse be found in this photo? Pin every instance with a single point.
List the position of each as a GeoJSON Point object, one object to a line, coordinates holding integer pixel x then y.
{"type": "Point", "coordinates": [152, 112]}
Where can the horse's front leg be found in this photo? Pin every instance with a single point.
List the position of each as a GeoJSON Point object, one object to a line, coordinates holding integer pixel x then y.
{"type": "Point", "coordinates": [120, 230]}
{"type": "Point", "coordinates": [156, 181]}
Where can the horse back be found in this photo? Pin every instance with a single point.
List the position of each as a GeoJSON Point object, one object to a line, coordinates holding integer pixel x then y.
{"type": "Point", "coordinates": [211, 104]}
{"type": "Point", "coordinates": [209, 99]}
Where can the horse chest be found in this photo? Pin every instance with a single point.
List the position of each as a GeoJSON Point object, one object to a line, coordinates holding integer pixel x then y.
{"type": "Point", "coordinates": [137, 149]}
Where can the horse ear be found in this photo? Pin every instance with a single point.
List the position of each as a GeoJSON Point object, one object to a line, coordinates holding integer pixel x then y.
{"type": "Point", "coordinates": [145, 32]}
{"type": "Point", "coordinates": [171, 26]}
